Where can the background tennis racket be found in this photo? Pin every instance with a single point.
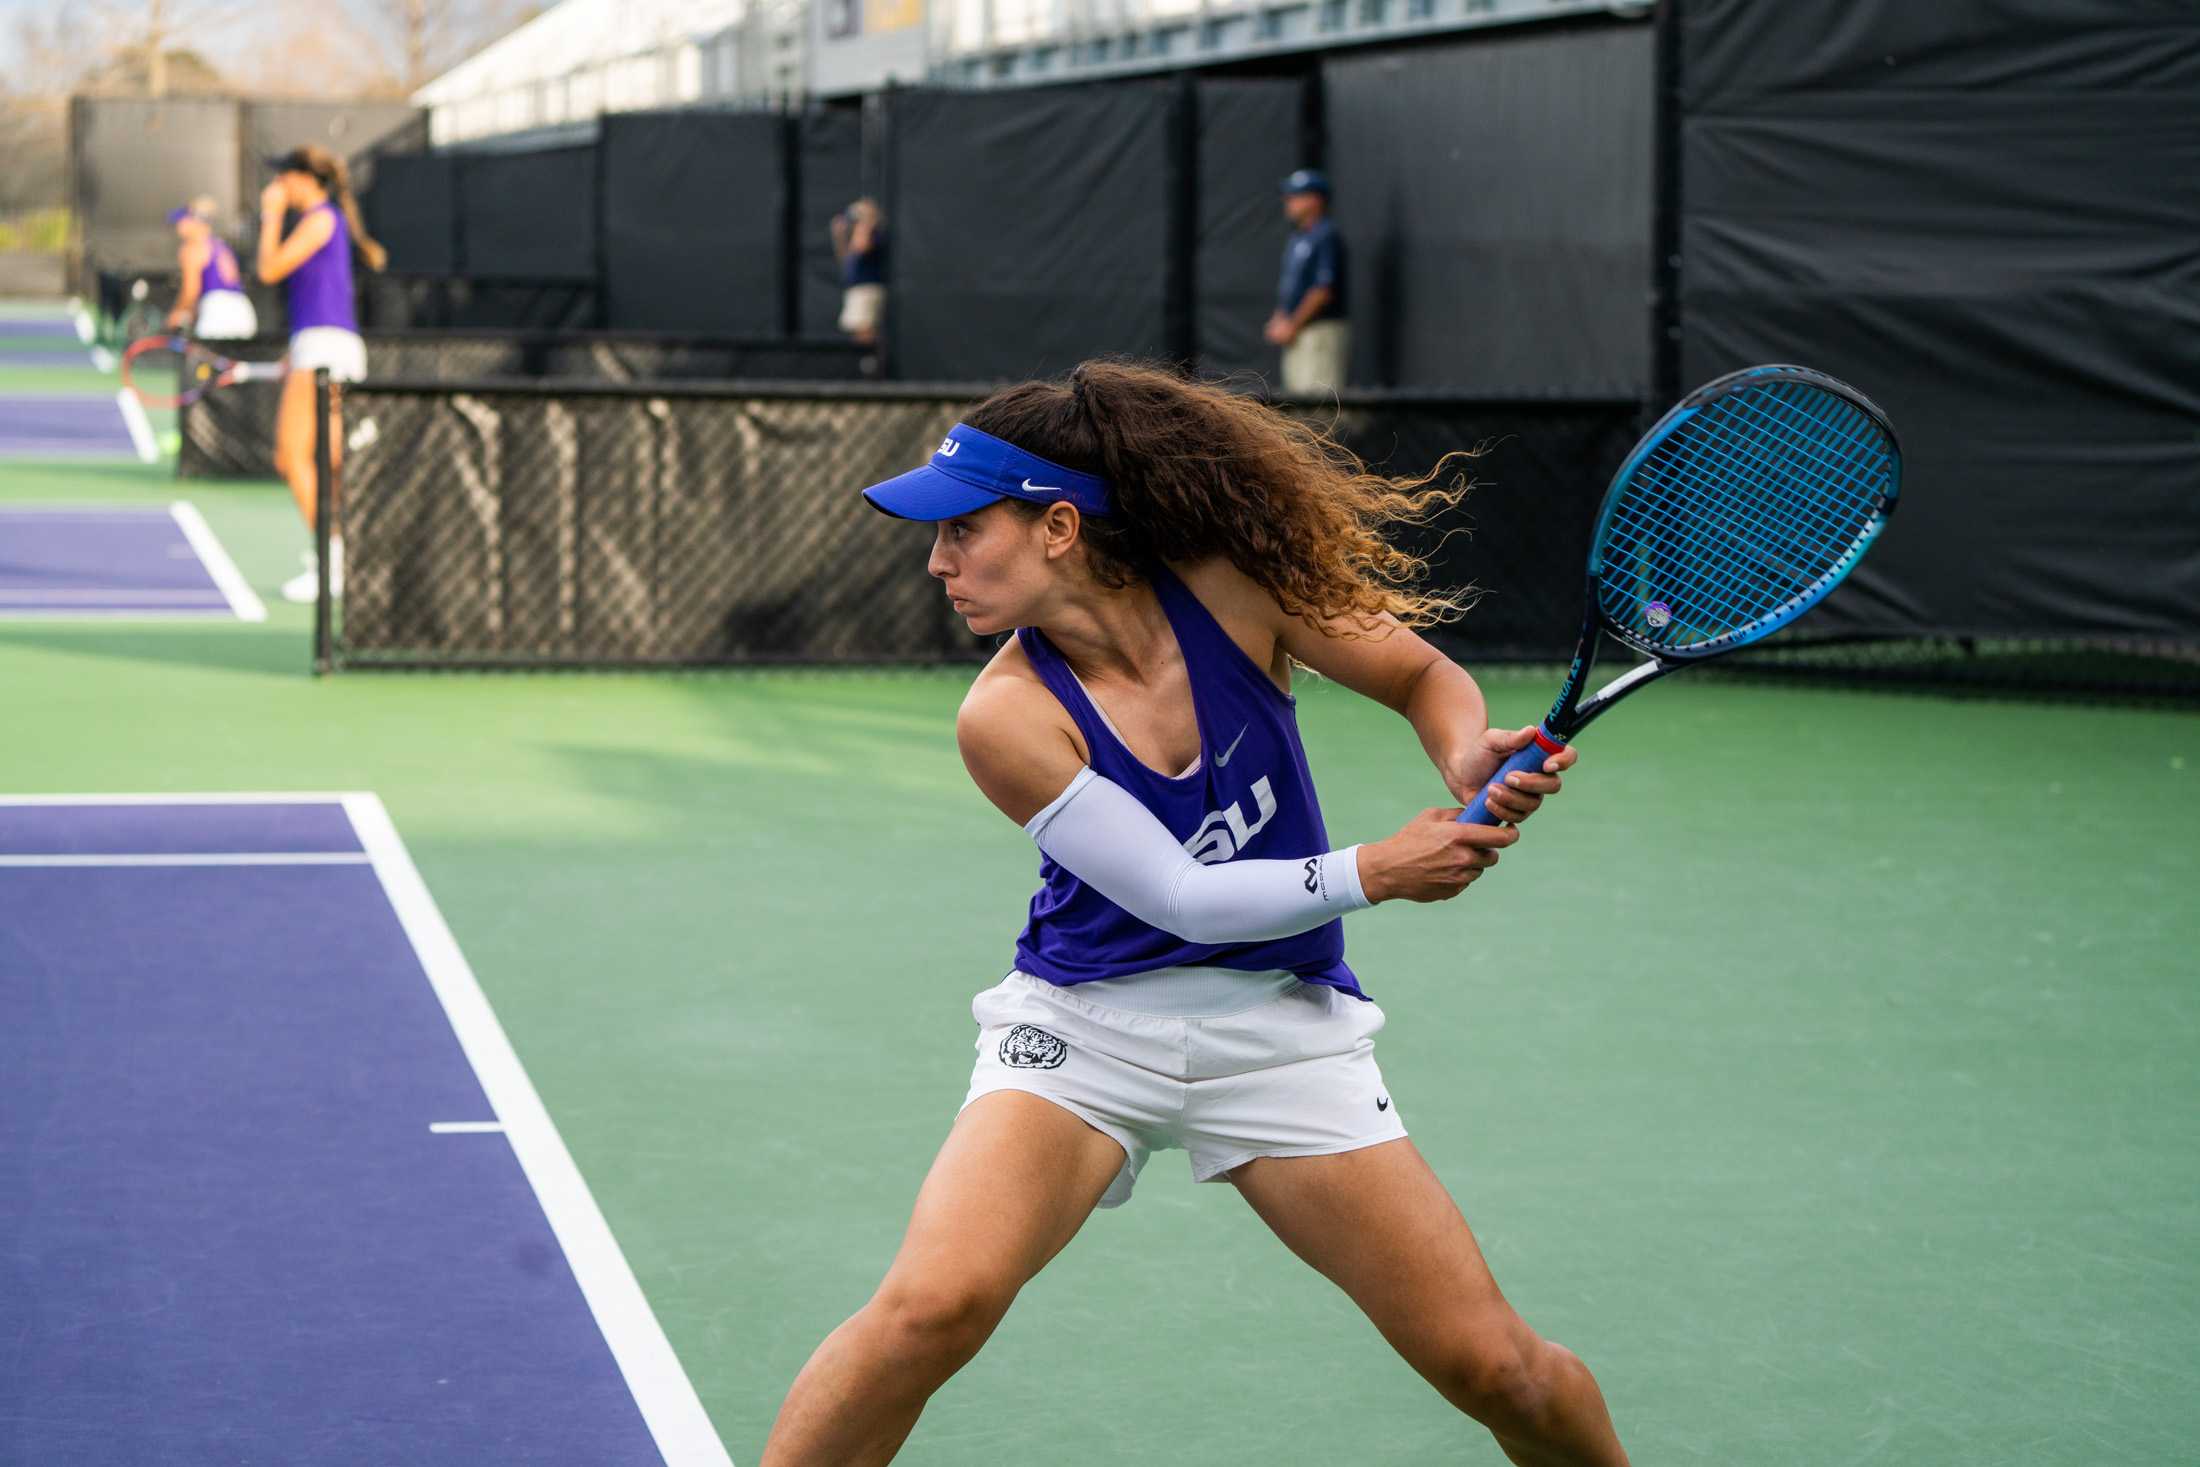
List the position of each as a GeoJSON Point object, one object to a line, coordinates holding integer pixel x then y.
{"type": "Point", "coordinates": [1733, 516]}
{"type": "Point", "coordinates": [169, 371]}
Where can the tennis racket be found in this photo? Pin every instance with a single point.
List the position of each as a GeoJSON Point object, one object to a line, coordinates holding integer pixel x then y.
{"type": "Point", "coordinates": [169, 371]}
{"type": "Point", "coordinates": [1738, 512]}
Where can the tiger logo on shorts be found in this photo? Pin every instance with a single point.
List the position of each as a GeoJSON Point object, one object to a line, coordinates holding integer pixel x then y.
{"type": "Point", "coordinates": [1027, 1048]}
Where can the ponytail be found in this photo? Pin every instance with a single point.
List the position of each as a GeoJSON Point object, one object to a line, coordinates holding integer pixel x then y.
{"type": "Point", "coordinates": [336, 178]}
{"type": "Point", "coordinates": [1198, 471]}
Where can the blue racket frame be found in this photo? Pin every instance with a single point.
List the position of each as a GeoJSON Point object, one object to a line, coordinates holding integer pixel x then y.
{"type": "Point", "coordinates": [1569, 715]}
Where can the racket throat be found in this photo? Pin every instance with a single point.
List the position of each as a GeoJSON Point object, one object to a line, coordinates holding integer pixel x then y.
{"type": "Point", "coordinates": [1633, 678]}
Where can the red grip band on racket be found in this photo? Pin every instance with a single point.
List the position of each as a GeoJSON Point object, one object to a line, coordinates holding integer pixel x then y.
{"type": "Point", "coordinates": [1548, 744]}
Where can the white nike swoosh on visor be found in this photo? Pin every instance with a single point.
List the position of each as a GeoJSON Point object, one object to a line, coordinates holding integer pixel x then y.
{"type": "Point", "coordinates": [1031, 488]}
{"type": "Point", "coordinates": [1224, 757]}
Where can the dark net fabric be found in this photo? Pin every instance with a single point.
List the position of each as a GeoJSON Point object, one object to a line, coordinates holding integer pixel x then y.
{"type": "Point", "coordinates": [673, 359]}
{"type": "Point", "coordinates": [399, 300]}
{"type": "Point", "coordinates": [1521, 536]}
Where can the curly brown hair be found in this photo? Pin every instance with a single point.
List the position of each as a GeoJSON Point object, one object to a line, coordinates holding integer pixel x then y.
{"type": "Point", "coordinates": [1198, 470]}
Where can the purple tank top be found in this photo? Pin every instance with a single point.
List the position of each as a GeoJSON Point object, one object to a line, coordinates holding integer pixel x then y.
{"type": "Point", "coordinates": [220, 271]}
{"type": "Point", "coordinates": [319, 291]}
{"type": "Point", "coordinates": [1252, 795]}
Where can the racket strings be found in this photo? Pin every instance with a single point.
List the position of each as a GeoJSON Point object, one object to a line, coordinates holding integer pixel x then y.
{"type": "Point", "coordinates": [1709, 573]}
{"type": "Point", "coordinates": [1714, 572]}
{"type": "Point", "coordinates": [1749, 506]}
{"type": "Point", "coordinates": [1721, 546]}
{"type": "Point", "coordinates": [1791, 536]}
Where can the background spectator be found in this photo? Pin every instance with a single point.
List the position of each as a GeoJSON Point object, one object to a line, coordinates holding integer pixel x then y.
{"type": "Point", "coordinates": [1309, 322]}
{"type": "Point", "coordinates": [859, 243]}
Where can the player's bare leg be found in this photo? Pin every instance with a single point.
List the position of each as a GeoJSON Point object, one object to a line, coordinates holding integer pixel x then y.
{"type": "Point", "coordinates": [1015, 1180]}
{"type": "Point", "coordinates": [1379, 1225]}
{"type": "Point", "coordinates": [294, 445]}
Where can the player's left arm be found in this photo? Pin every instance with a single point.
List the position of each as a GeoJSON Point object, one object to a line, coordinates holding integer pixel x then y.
{"type": "Point", "coordinates": [1393, 665]}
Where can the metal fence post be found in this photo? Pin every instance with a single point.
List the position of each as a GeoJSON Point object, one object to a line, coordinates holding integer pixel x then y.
{"type": "Point", "coordinates": [327, 398]}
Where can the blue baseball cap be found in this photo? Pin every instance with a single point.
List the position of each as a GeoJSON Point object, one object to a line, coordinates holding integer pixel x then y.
{"type": "Point", "coordinates": [1306, 181]}
{"type": "Point", "coordinates": [177, 216]}
{"type": "Point", "coordinates": [971, 470]}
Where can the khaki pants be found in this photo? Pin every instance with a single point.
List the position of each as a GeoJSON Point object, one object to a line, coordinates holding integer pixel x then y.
{"type": "Point", "coordinates": [1315, 361]}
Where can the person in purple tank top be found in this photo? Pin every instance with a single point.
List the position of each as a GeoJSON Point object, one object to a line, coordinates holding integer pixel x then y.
{"type": "Point", "coordinates": [1164, 552]}
{"type": "Point", "coordinates": [210, 299]}
{"type": "Point", "coordinates": [313, 265]}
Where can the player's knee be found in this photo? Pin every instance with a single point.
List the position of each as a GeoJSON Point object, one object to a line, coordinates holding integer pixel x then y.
{"type": "Point", "coordinates": [940, 1320]}
{"type": "Point", "coordinates": [1500, 1379]}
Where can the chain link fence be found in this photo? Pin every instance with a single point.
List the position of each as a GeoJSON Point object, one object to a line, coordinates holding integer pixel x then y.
{"type": "Point", "coordinates": [568, 524]}
{"type": "Point", "coordinates": [499, 524]}
{"type": "Point", "coordinates": [505, 525]}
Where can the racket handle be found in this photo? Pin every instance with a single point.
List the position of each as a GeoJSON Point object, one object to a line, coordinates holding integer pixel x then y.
{"type": "Point", "coordinates": [1542, 747]}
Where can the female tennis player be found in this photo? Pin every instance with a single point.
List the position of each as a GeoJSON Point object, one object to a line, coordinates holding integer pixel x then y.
{"type": "Point", "coordinates": [1164, 552]}
{"type": "Point", "coordinates": [313, 262]}
{"type": "Point", "coordinates": [211, 301]}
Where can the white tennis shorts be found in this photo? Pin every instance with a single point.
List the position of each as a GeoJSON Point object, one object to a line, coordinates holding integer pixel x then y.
{"type": "Point", "coordinates": [341, 351]}
{"type": "Point", "coordinates": [1291, 1076]}
{"type": "Point", "coordinates": [225, 315]}
{"type": "Point", "coordinates": [862, 307]}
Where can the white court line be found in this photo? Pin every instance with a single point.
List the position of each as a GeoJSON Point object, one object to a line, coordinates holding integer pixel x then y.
{"type": "Point", "coordinates": [208, 612]}
{"type": "Point", "coordinates": [20, 447]}
{"type": "Point", "coordinates": [240, 596]}
{"type": "Point", "coordinates": [103, 359]}
{"type": "Point", "coordinates": [200, 858]}
{"type": "Point", "coordinates": [61, 594]}
{"type": "Point", "coordinates": [83, 323]}
{"type": "Point", "coordinates": [669, 1405]}
{"type": "Point", "coordinates": [141, 430]}
{"type": "Point", "coordinates": [464, 1128]}
{"type": "Point", "coordinates": [77, 512]}
{"type": "Point", "coordinates": [253, 797]}
{"type": "Point", "coordinates": [660, 1387]}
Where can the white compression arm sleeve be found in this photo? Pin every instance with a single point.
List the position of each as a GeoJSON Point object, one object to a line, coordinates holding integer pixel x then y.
{"type": "Point", "coordinates": [1103, 836]}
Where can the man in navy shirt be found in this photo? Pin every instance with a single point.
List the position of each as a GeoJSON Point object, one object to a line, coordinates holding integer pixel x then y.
{"type": "Point", "coordinates": [1309, 323]}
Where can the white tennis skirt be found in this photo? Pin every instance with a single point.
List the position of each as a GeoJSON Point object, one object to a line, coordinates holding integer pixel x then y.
{"type": "Point", "coordinates": [341, 351]}
{"type": "Point", "coordinates": [1294, 1075]}
{"type": "Point", "coordinates": [862, 307]}
{"type": "Point", "coordinates": [225, 315]}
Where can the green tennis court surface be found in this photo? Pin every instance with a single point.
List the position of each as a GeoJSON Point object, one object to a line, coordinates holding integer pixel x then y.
{"type": "Point", "coordinates": [1821, 1067]}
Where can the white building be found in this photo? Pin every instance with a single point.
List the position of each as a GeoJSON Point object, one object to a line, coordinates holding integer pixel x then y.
{"type": "Point", "coordinates": [582, 58]}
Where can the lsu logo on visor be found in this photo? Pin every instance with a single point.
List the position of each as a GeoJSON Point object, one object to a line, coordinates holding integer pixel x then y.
{"type": "Point", "coordinates": [947, 447]}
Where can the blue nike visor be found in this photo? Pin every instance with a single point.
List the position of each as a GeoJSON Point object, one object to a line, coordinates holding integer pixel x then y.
{"type": "Point", "coordinates": [971, 470]}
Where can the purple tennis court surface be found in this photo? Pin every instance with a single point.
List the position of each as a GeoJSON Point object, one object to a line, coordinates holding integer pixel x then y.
{"type": "Point", "coordinates": [35, 356]}
{"type": "Point", "coordinates": [273, 1188]}
{"type": "Point", "coordinates": [54, 328]}
{"type": "Point", "coordinates": [64, 427]}
{"type": "Point", "coordinates": [117, 562]}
